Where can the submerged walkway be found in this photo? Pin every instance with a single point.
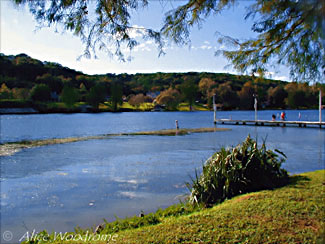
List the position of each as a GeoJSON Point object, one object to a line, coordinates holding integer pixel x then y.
{"type": "Point", "coordinates": [10, 148]}
{"type": "Point", "coordinates": [302, 124]}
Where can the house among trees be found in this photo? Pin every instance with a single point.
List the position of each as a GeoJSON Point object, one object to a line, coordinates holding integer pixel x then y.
{"type": "Point", "coordinates": [158, 108]}
{"type": "Point", "coordinates": [153, 95]}
{"type": "Point", "coordinates": [54, 97]}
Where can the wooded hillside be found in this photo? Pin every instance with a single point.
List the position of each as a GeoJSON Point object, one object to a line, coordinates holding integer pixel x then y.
{"type": "Point", "coordinates": [24, 79]}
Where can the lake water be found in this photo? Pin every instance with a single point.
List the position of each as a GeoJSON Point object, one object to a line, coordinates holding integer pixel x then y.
{"type": "Point", "coordinates": [59, 187]}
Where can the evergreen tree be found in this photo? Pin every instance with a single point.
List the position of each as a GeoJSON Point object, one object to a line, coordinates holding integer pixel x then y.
{"type": "Point", "coordinates": [116, 95]}
{"type": "Point", "coordinates": [69, 95]}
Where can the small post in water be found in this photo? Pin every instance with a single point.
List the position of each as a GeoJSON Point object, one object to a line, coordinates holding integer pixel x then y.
{"type": "Point", "coordinates": [255, 106]}
{"type": "Point", "coordinates": [214, 109]}
{"type": "Point", "coordinates": [176, 123]}
{"type": "Point", "coordinates": [320, 107]}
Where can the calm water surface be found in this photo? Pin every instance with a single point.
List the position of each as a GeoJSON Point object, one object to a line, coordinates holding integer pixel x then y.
{"type": "Point", "coordinates": [40, 126]}
{"type": "Point", "coordinates": [58, 187]}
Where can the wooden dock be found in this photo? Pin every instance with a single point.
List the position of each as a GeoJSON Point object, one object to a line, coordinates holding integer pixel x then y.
{"type": "Point", "coordinates": [302, 124]}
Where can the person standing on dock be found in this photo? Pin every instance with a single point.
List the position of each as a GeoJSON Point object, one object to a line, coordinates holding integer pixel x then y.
{"type": "Point", "coordinates": [283, 116]}
{"type": "Point", "coordinates": [273, 117]}
{"type": "Point", "coordinates": [299, 116]}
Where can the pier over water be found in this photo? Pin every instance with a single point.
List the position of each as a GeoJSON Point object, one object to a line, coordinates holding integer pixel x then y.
{"type": "Point", "coordinates": [302, 124]}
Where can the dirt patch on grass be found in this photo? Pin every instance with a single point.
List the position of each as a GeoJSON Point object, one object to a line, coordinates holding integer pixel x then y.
{"type": "Point", "coordinates": [262, 218]}
{"type": "Point", "coordinates": [308, 223]}
{"type": "Point", "coordinates": [249, 197]}
{"type": "Point", "coordinates": [243, 198]}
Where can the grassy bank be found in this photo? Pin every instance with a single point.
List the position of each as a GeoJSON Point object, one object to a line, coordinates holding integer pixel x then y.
{"type": "Point", "coordinates": [13, 147]}
{"type": "Point", "coordinates": [291, 214]}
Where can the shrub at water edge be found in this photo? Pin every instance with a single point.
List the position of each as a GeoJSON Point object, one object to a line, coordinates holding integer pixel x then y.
{"type": "Point", "coordinates": [244, 168]}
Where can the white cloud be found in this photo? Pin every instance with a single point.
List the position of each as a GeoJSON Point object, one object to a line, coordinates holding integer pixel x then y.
{"type": "Point", "coordinates": [142, 47]}
{"type": "Point", "coordinates": [146, 46]}
{"type": "Point", "coordinates": [272, 75]}
{"type": "Point", "coordinates": [284, 78]}
{"type": "Point", "coordinates": [136, 31]}
{"type": "Point", "coordinates": [205, 47]}
{"type": "Point", "coordinates": [150, 42]}
{"type": "Point", "coordinates": [269, 73]}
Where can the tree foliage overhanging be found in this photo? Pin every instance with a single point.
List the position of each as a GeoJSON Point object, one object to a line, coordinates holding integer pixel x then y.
{"type": "Point", "coordinates": [290, 32]}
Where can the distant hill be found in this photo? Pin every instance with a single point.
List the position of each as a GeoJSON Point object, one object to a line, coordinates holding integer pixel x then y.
{"type": "Point", "coordinates": [22, 71]}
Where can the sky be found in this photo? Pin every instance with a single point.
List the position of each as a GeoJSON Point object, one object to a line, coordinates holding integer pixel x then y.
{"type": "Point", "coordinates": [19, 34]}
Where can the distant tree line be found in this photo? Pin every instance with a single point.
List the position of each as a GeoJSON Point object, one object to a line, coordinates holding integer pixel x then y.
{"type": "Point", "coordinates": [27, 79]}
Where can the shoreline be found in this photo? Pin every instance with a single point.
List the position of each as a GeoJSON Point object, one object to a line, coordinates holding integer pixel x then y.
{"type": "Point", "coordinates": [28, 111]}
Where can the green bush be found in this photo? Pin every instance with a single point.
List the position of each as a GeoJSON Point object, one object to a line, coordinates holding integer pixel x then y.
{"type": "Point", "coordinates": [230, 172]}
{"type": "Point", "coordinates": [40, 93]}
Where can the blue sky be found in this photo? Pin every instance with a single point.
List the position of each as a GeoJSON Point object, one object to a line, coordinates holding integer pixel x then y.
{"type": "Point", "coordinates": [20, 35]}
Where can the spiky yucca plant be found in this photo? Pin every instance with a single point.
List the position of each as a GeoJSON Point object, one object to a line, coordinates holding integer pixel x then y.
{"type": "Point", "coordinates": [244, 168]}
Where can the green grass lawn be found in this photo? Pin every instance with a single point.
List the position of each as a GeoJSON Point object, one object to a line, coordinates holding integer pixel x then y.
{"type": "Point", "coordinates": [150, 106]}
{"type": "Point", "coordinates": [103, 107]}
{"type": "Point", "coordinates": [195, 107]}
{"type": "Point", "coordinates": [291, 214]}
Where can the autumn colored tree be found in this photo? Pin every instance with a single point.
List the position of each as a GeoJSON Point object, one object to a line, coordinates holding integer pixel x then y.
{"type": "Point", "coordinates": [20, 93]}
{"type": "Point", "coordinates": [5, 92]}
{"type": "Point", "coordinates": [227, 96]}
{"type": "Point", "coordinates": [83, 92]}
{"type": "Point", "coordinates": [170, 98]}
{"type": "Point", "coordinates": [301, 95]}
{"type": "Point", "coordinates": [137, 100]}
{"type": "Point", "coordinates": [246, 96]}
{"type": "Point", "coordinates": [276, 97]}
{"type": "Point", "coordinates": [207, 87]}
